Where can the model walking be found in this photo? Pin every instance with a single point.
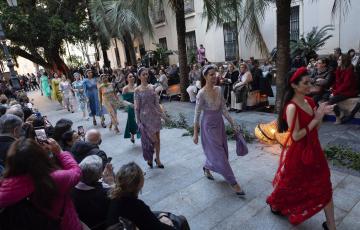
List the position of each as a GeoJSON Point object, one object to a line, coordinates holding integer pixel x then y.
{"type": "Point", "coordinates": [302, 185]}
{"type": "Point", "coordinates": [110, 100]}
{"type": "Point", "coordinates": [67, 94]}
{"type": "Point", "coordinates": [213, 136]}
{"type": "Point", "coordinates": [91, 90]}
{"type": "Point", "coordinates": [44, 85]}
{"type": "Point", "coordinates": [148, 118]}
{"type": "Point", "coordinates": [128, 95]}
{"type": "Point", "coordinates": [78, 88]}
{"type": "Point", "coordinates": [56, 94]}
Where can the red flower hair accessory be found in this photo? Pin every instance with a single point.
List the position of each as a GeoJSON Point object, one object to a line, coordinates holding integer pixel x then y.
{"type": "Point", "coordinates": [299, 72]}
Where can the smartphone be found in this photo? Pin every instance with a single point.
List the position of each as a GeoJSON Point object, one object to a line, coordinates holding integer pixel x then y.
{"type": "Point", "coordinates": [81, 131]}
{"type": "Point", "coordinates": [109, 160]}
{"type": "Point", "coordinates": [41, 136]}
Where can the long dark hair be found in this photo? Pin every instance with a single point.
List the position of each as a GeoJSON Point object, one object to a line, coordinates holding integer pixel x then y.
{"type": "Point", "coordinates": [27, 157]}
{"type": "Point", "coordinates": [287, 96]}
{"type": "Point", "coordinates": [207, 68]}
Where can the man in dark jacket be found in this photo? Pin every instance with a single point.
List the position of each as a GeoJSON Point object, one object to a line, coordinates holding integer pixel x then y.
{"type": "Point", "coordinates": [90, 146]}
{"type": "Point", "coordinates": [10, 130]}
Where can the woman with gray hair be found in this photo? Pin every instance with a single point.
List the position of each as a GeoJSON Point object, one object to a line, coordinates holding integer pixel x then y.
{"type": "Point", "coordinates": [78, 88]}
{"type": "Point", "coordinates": [126, 204]}
{"type": "Point", "coordinates": [90, 196]}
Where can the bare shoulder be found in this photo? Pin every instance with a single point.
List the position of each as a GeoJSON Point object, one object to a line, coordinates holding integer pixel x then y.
{"type": "Point", "coordinates": [137, 89]}
{"type": "Point", "coordinates": [125, 89]}
{"type": "Point", "coordinates": [290, 110]}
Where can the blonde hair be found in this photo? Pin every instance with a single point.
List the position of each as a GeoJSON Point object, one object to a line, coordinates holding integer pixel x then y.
{"type": "Point", "coordinates": [127, 181]}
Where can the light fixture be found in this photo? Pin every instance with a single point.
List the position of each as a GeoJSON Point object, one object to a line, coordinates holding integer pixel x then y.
{"type": "Point", "coordinates": [12, 3]}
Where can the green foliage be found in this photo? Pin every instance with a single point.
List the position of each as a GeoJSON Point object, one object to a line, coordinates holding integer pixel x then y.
{"type": "Point", "coordinates": [162, 55]}
{"type": "Point", "coordinates": [314, 40]}
{"type": "Point", "coordinates": [43, 25]}
{"type": "Point", "coordinates": [74, 61]}
{"type": "Point", "coordinates": [191, 56]}
{"type": "Point", "coordinates": [343, 156]}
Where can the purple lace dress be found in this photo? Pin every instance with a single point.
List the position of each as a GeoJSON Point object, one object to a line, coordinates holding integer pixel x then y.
{"type": "Point", "coordinates": [148, 118]}
{"type": "Point", "coordinates": [212, 131]}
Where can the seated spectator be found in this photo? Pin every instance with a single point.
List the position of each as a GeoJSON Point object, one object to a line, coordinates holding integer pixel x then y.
{"type": "Point", "coordinates": [90, 196]}
{"type": "Point", "coordinates": [30, 175]}
{"type": "Point", "coordinates": [3, 100]}
{"type": "Point", "coordinates": [16, 110]}
{"type": "Point", "coordinates": [311, 66]}
{"type": "Point", "coordinates": [2, 110]}
{"type": "Point", "coordinates": [321, 80]}
{"type": "Point", "coordinates": [90, 146]}
{"type": "Point", "coordinates": [10, 130]}
{"type": "Point", "coordinates": [162, 82]}
{"type": "Point", "coordinates": [297, 62]}
{"type": "Point", "coordinates": [345, 86]}
{"type": "Point", "coordinates": [125, 203]}
{"type": "Point", "coordinates": [63, 125]}
{"type": "Point", "coordinates": [68, 139]}
{"type": "Point", "coordinates": [241, 89]}
{"type": "Point", "coordinates": [355, 59]}
{"type": "Point", "coordinates": [256, 76]}
{"type": "Point", "coordinates": [194, 79]}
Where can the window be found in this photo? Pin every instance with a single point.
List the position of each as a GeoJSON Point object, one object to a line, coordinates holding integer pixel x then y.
{"type": "Point", "coordinates": [230, 41]}
{"type": "Point", "coordinates": [190, 40]}
{"type": "Point", "coordinates": [163, 43]}
{"type": "Point", "coordinates": [294, 23]}
{"type": "Point", "coordinates": [158, 14]}
{"type": "Point", "coordinates": [189, 6]}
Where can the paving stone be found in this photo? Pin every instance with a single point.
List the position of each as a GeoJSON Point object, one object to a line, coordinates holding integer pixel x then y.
{"type": "Point", "coordinates": [181, 187]}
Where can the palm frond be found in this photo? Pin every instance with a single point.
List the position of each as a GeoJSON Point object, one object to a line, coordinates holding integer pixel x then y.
{"type": "Point", "coordinates": [340, 6]}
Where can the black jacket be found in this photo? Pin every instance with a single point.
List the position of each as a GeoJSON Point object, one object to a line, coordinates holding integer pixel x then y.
{"type": "Point", "coordinates": [82, 149]}
{"type": "Point", "coordinates": [5, 143]}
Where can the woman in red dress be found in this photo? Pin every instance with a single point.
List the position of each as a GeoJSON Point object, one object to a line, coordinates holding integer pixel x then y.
{"type": "Point", "coordinates": [302, 185]}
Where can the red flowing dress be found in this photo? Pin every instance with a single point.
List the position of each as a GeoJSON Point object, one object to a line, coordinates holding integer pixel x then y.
{"type": "Point", "coordinates": [302, 185]}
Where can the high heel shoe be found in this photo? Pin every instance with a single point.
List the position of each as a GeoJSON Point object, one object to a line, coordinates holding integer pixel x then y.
{"type": "Point", "coordinates": [208, 174]}
{"type": "Point", "coordinates": [150, 164]}
{"type": "Point", "coordinates": [103, 124]}
{"type": "Point", "coordinates": [110, 126]}
{"type": "Point", "coordinates": [324, 225]}
{"type": "Point", "coordinates": [239, 193]}
{"type": "Point", "coordinates": [116, 129]}
{"type": "Point", "coordinates": [94, 122]}
{"type": "Point", "coordinates": [132, 140]}
{"type": "Point", "coordinates": [275, 212]}
{"type": "Point", "coordinates": [161, 166]}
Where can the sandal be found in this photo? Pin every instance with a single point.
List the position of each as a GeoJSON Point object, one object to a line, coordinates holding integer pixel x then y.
{"type": "Point", "coordinates": [116, 129]}
{"type": "Point", "coordinates": [207, 174]}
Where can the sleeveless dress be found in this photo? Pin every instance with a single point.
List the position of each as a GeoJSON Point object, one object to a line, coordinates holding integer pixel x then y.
{"type": "Point", "coordinates": [80, 94]}
{"type": "Point", "coordinates": [45, 87]}
{"type": "Point", "coordinates": [131, 127]}
{"type": "Point", "coordinates": [110, 101]}
{"type": "Point", "coordinates": [68, 97]}
{"type": "Point", "coordinates": [56, 94]}
{"type": "Point", "coordinates": [148, 117]}
{"type": "Point", "coordinates": [302, 185]}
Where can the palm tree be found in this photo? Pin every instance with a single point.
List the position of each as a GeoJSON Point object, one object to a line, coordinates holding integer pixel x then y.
{"type": "Point", "coordinates": [116, 19]}
{"type": "Point", "coordinates": [250, 13]}
{"type": "Point", "coordinates": [312, 42]}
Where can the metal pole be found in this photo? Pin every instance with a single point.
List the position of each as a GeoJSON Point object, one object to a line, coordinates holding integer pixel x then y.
{"type": "Point", "coordinates": [14, 80]}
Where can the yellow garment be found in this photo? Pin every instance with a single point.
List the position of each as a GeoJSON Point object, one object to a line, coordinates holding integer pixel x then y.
{"type": "Point", "coordinates": [55, 93]}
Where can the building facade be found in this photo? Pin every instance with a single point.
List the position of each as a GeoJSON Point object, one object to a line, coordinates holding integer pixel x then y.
{"type": "Point", "coordinates": [221, 42]}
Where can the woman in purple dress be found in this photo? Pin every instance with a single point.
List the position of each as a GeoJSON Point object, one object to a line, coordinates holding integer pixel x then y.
{"type": "Point", "coordinates": [148, 118]}
{"type": "Point", "coordinates": [213, 136]}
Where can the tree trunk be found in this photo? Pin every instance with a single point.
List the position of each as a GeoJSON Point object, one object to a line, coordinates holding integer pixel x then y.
{"type": "Point", "coordinates": [57, 64]}
{"type": "Point", "coordinates": [105, 56]}
{"type": "Point", "coordinates": [181, 31]}
{"type": "Point", "coordinates": [129, 45]}
{"type": "Point", "coordinates": [283, 46]}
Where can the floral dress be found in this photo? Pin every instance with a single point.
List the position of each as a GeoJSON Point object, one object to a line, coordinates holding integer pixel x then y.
{"type": "Point", "coordinates": [80, 94]}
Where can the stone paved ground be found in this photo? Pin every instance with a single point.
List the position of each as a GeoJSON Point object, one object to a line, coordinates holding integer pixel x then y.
{"type": "Point", "coordinates": [181, 187]}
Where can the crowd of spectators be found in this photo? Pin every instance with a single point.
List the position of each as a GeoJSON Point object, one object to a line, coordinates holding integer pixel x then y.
{"type": "Point", "coordinates": [52, 177]}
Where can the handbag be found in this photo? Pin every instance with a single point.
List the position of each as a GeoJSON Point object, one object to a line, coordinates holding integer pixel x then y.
{"type": "Point", "coordinates": [241, 146]}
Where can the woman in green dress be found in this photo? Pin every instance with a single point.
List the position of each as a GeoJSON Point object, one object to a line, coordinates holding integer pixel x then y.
{"type": "Point", "coordinates": [44, 85]}
{"type": "Point", "coordinates": [128, 95]}
{"type": "Point", "coordinates": [56, 93]}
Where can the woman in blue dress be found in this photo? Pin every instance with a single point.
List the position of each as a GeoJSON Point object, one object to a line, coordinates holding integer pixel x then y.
{"type": "Point", "coordinates": [91, 91]}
